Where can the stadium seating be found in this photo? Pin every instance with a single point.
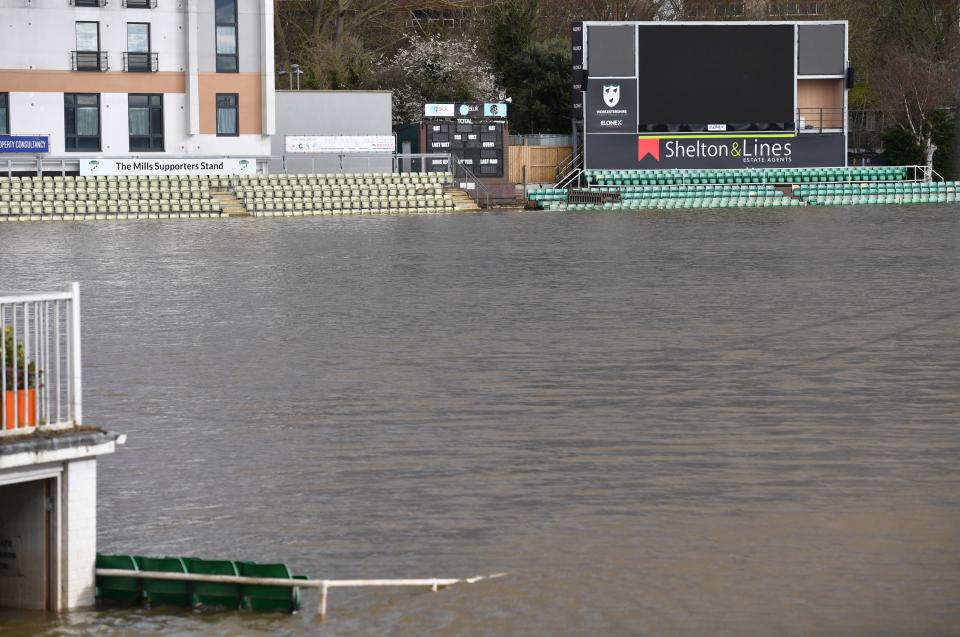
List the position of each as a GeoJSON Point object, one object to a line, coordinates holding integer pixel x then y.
{"type": "Point", "coordinates": [782, 176]}
{"type": "Point", "coordinates": [345, 194]}
{"type": "Point", "coordinates": [129, 590]}
{"type": "Point", "coordinates": [769, 187]}
{"type": "Point", "coordinates": [109, 197]}
{"type": "Point", "coordinates": [167, 197]}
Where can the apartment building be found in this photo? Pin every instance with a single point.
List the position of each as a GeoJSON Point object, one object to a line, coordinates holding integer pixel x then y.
{"type": "Point", "coordinates": [147, 78]}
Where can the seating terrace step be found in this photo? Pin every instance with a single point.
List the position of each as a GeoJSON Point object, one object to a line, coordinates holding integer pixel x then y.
{"type": "Point", "coordinates": [229, 204]}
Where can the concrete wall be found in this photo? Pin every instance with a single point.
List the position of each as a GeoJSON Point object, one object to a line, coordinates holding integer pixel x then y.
{"type": "Point", "coordinates": [331, 113]}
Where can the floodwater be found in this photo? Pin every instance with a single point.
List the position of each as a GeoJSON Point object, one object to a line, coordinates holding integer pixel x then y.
{"type": "Point", "coordinates": [737, 422]}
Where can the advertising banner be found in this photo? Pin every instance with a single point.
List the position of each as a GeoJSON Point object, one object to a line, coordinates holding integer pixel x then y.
{"type": "Point", "coordinates": [171, 166]}
{"type": "Point", "coordinates": [467, 110]}
{"type": "Point", "coordinates": [24, 144]}
{"type": "Point", "coordinates": [612, 106]}
{"type": "Point", "coordinates": [714, 151]}
{"type": "Point", "coordinates": [339, 143]}
{"type": "Point", "coordinates": [495, 109]}
{"type": "Point", "coordinates": [438, 110]}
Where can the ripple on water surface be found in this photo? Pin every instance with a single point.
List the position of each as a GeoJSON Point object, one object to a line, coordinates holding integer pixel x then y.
{"type": "Point", "coordinates": [737, 422]}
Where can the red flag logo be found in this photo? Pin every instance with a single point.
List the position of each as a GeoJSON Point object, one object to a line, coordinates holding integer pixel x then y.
{"type": "Point", "coordinates": [648, 146]}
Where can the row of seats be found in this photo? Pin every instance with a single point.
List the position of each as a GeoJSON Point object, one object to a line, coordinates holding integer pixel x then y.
{"type": "Point", "coordinates": [363, 206]}
{"type": "Point", "coordinates": [675, 203]}
{"type": "Point", "coordinates": [113, 195]}
{"type": "Point", "coordinates": [197, 205]}
{"type": "Point", "coordinates": [745, 176]}
{"type": "Point", "coordinates": [349, 178]}
{"type": "Point", "coordinates": [133, 590]}
{"type": "Point", "coordinates": [878, 188]}
{"type": "Point", "coordinates": [115, 179]}
{"type": "Point", "coordinates": [856, 200]}
{"type": "Point", "coordinates": [547, 194]}
{"type": "Point", "coordinates": [325, 190]}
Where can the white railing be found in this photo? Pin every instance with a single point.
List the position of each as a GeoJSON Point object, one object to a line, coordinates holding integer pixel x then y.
{"type": "Point", "coordinates": [40, 372]}
{"type": "Point", "coordinates": [323, 585]}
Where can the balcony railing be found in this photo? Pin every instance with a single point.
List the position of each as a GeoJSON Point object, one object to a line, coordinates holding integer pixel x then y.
{"type": "Point", "coordinates": [818, 120]}
{"type": "Point", "coordinates": [140, 4]}
{"type": "Point", "coordinates": [40, 371]}
{"type": "Point", "coordinates": [88, 3]}
{"type": "Point", "coordinates": [90, 61]}
{"type": "Point", "coordinates": [139, 62]}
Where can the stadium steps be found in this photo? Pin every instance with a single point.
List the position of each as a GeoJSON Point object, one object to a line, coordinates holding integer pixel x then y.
{"type": "Point", "coordinates": [229, 204]}
{"type": "Point", "coordinates": [462, 202]}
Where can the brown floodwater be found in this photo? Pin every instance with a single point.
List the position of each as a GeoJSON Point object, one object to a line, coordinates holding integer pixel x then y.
{"type": "Point", "coordinates": [737, 422]}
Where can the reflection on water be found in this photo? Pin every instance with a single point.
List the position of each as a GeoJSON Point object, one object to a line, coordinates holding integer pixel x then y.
{"type": "Point", "coordinates": [728, 423]}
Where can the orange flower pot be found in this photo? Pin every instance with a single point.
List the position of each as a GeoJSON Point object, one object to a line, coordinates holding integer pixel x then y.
{"type": "Point", "coordinates": [26, 412]}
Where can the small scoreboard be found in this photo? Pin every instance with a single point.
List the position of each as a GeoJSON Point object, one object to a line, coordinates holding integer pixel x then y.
{"type": "Point", "coordinates": [473, 133]}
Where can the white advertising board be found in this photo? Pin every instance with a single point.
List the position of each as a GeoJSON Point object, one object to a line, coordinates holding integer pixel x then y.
{"type": "Point", "coordinates": [171, 166]}
{"type": "Point", "coordinates": [339, 143]}
{"type": "Point", "coordinates": [438, 110]}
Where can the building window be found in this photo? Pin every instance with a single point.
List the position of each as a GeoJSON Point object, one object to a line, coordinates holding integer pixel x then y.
{"type": "Point", "coordinates": [227, 115]}
{"type": "Point", "coordinates": [226, 36]}
{"type": "Point", "coordinates": [138, 56]}
{"type": "Point", "coordinates": [4, 113]}
{"type": "Point", "coordinates": [87, 56]}
{"type": "Point", "coordinates": [81, 114]}
{"type": "Point", "coordinates": [88, 36]}
{"type": "Point", "coordinates": [145, 114]}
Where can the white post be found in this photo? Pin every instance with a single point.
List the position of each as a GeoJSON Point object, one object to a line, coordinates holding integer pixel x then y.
{"type": "Point", "coordinates": [322, 608]}
{"type": "Point", "coordinates": [76, 381]}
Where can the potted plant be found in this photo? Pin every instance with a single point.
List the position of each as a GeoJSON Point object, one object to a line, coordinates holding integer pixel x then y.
{"type": "Point", "coordinates": [26, 377]}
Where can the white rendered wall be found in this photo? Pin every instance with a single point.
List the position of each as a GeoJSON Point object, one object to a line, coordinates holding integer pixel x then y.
{"type": "Point", "coordinates": [39, 35]}
{"type": "Point", "coordinates": [79, 537]}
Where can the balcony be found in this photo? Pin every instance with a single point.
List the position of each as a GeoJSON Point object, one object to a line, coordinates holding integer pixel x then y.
{"type": "Point", "coordinates": [140, 4]}
{"type": "Point", "coordinates": [88, 3]}
{"type": "Point", "coordinates": [820, 120]}
{"type": "Point", "coordinates": [139, 62]}
{"type": "Point", "coordinates": [89, 61]}
{"type": "Point", "coordinates": [40, 371]}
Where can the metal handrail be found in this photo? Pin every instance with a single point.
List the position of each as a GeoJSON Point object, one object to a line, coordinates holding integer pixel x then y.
{"type": "Point", "coordinates": [819, 119]}
{"type": "Point", "coordinates": [568, 165]}
{"type": "Point", "coordinates": [41, 377]}
{"type": "Point", "coordinates": [323, 585]}
{"type": "Point", "coordinates": [140, 61]}
{"type": "Point", "coordinates": [477, 186]}
{"type": "Point", "coordinates": [89, 61]}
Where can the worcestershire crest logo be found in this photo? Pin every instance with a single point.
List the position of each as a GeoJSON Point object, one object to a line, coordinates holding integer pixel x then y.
{"type": "Point", "coordinates": [611, 95]}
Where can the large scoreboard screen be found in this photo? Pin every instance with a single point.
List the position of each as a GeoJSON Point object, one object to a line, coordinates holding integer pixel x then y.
{"type": "Point", "coordinates": [694, 76]}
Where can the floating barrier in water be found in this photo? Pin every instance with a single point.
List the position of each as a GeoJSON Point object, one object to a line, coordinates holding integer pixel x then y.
{"type": "Point", "coordinates": [257, 587]}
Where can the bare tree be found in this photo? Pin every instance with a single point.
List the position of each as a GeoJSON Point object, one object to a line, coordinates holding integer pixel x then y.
{"type": "Point", "coordinates": [912, 86]}
{"type": "Point", "coordinates": [335, 41]}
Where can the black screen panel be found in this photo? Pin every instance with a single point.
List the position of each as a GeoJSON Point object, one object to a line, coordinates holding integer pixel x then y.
{"type": "Point", "coordinates": [610, 50]}
{"type": "Point", "coordinates": [696, 75]}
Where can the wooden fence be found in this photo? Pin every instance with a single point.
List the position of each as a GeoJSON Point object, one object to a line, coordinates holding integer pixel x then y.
{"type": "Point", "coordinates": [536, 164]}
